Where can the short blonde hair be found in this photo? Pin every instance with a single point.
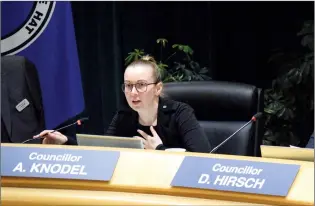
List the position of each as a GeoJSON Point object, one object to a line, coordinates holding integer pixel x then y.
{"type": "Point", "coordinates": [150, 61]}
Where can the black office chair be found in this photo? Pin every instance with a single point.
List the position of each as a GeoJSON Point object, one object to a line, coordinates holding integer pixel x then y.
{"type": "Point", "coordinates": [222, 108]}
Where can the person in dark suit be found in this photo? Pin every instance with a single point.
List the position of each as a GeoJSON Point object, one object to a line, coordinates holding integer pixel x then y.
{"type": "Point", "coordinates": [160, 122]}
{"type": "Point", "coordinates": [22, 114]}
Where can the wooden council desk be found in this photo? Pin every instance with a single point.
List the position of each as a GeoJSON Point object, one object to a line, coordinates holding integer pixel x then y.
{"type": "Point", "coordinates": [143, 177]}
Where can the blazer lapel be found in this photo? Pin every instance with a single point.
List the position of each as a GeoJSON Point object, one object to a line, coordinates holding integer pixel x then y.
{"type": "Point", "coordinates": [5, 105]}
{"type": "Point", "coordinates": [164, 117]}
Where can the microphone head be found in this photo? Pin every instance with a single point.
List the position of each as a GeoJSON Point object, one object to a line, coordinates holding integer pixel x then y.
{"type": "Point", "coordinates": [79, 121]}
{"type": "Point", "coordinates": [83, 119]}
{"type": "Point", "coordinates": [257, 116]}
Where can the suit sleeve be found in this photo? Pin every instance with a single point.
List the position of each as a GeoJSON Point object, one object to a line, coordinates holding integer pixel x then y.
{"type": "Point", "coordinates": [35, 90]}
{"type": "Point", "coordinates": [69, 132]}
{"type": "Point", "coordinates": [193, 136]}
{"type": "Point", "coordinates": [71, 141]}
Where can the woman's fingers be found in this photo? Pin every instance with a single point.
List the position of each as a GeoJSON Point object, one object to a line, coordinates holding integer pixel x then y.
{"type": "Point", "coordinates": [154, 133]}
{"type": "Point", "coordinates": [43, 133]}
{"type": "Point", "coordinates": [143, 134]}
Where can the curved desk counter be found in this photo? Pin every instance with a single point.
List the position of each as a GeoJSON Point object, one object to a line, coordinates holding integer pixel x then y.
{"type": "Point", "coordinates": [12, 196]}
{"type": "Point", "coordinates": [146, 175]}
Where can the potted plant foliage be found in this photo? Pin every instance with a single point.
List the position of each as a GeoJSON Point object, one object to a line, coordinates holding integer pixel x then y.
{"type": "Point", "coordinates": [290, 100]}
{"type": "Point", "coordinates": [177, 66]}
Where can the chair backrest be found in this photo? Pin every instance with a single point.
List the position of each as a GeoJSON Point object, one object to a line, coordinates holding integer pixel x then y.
{"type": "Point", "coordinates": [222, 108]}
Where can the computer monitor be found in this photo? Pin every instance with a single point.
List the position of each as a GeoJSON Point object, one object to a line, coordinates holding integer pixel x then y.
{"type": "Point", "coordinates": [296, 153]}
{"type": "Point", "coordinates": [109, 141]}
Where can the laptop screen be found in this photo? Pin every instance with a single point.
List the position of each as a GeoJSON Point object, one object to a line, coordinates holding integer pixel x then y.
{"type": "Point", "coordinates": [109, 141]}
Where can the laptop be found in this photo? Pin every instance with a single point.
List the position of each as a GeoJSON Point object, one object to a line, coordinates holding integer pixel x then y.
{"type": "Point", "coordinates": [291, 153]}
{"type": "Point", "coordinates": [108, 141]}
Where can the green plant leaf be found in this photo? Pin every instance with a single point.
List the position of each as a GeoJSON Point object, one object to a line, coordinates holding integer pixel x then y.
{"type": "Point", "coordinates": [308, 41]}
{"type": "Point", "coordinates": [309, 56]}
{"type": "Point", "coordinates": [187, 72]}
{"type": "Point", "coordinates": [184, 48]}
{"type": "Point", "coordinates": [162, 69]}
{"type": "Point", "coordinates": [205, 77]}
{"type": "Point", "coordinates": [178, 77]}
{"type": "Point", "coordinates": [203, 70]}
{"type": "Point", "coordinates": [179, 66]}
{"type": "Point", "coordinates": [294, 140]}
{"type": "Point", "coordinates": [194, 66]}
{"type": "Point", "coordinates": [269, 111]}
{"type": "Point", "coordinates": [270, 136]}
{"type": "Point", "coordinates": [185, 69]}
{"type": "Point", "coordinates": [308, 28]}
{"type": "Point", "coordinates": [162, 41]}
{"type": "Point", "coordinates": [267, 142]}
{"type": "Point", "coordinates": [188, 50]}
{"type": "Point", "coordinates": [134, 55]}
{"type": "Point", "coordinates": [276, 106]}
{"type": "Point", "coordinates": [161, 65]}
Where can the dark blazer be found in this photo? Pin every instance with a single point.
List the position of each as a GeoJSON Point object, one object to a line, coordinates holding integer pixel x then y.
{"type": "Point", "coordinates": [19, 81]}
{"type": "Point", "coordinates": [177, 126]}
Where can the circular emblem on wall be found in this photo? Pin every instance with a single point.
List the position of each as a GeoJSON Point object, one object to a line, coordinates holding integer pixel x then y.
{"type": "Point", "coordinates": [28, 26]}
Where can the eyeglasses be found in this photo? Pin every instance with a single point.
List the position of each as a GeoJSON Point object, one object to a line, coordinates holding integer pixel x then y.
{"type": "Point", "coordinates": [140, 86]}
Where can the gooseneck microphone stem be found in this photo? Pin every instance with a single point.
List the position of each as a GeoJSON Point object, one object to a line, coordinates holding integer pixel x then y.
{"type": "Point", "coordinates": [253, 119]}
{"type": "Point", "coordinates": [227, 139]}
{"type": "Point", "coordinates": [61, 128]}
{"type": "Point", "coordinates": [78, 122]}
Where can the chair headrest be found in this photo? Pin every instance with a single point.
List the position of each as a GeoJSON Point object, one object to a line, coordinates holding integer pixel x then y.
{"type": "Point", "coordinates": [216, 100]}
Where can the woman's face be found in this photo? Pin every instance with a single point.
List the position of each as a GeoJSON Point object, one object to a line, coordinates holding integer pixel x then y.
{"type": "Point", "coordinates": [139, 86]}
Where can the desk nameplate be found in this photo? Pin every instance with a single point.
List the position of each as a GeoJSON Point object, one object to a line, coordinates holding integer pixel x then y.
{"type": "Point", "coordinates": [59, 163]}
{"type": "Point", "coordinates": [236, 175]}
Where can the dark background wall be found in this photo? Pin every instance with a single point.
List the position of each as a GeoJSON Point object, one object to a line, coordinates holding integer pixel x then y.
{"type": "Point", "coordinates": [234, 39]}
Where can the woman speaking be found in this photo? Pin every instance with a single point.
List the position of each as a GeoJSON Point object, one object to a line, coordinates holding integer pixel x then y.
{"type": "Point", "coordinates": [160, 122]}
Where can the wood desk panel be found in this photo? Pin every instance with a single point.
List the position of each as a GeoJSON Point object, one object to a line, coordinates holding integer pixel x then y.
{"type": "Point", "coordinates": [57, 197]}
{"type": "Point", "coordinates": [151, 172]}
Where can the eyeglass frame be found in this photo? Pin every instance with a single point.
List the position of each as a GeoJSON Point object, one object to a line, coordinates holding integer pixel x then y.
{"type": "Point", "coordinates": [134, 85]}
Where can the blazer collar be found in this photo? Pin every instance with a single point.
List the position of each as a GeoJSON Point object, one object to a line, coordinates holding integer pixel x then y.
{"type": "Point", "coordinates": [165, 106]}
{"type": "Point", "coordinates": [165, 109]}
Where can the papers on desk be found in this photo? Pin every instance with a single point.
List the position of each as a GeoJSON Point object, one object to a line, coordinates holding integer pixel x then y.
{"type": "Point", "coordinates": [292, 153]}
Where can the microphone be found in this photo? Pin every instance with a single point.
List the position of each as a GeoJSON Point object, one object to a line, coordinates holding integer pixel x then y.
{"type": "Point", "coordinates": [253, 119]}
{"type": "Point", "coordinates": [78, 122]}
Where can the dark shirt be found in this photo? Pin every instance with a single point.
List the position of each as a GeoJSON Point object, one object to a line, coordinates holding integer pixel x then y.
{"type": "Point", "coordinates": [177, 126]}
